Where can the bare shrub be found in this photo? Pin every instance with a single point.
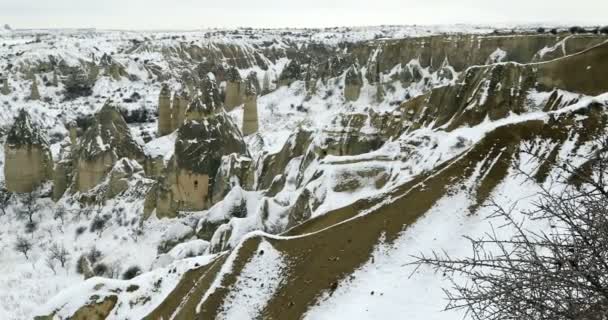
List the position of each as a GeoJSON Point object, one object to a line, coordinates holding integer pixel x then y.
{"type": "Point", "coordinates": [560, 273]}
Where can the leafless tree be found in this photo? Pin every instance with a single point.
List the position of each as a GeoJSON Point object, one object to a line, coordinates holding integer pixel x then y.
{"type": "Point", "coordinates": [5, 198]}
{"type": "Point", "coordinates": [60, 214]}
{"type": "Point", "coordinates": [60, 253]}
{"type": "Point", "coordinates": [50, 262]}
{"type": "Point", "coordinates": [23, 245]}
{"type": "Point", "coordinates": [29, 205]}
{"type": "Point", "coordinates": [560, 273]}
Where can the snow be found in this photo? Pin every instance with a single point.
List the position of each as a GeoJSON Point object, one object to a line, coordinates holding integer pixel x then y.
{"type": "Point", "coordinates": [136, 297]}
{"type": "Point", "coordinates": [162, 147]}
{"type": "Point", "coordinates": [256, 284]}
{"type": "Point", "coordinates": [497, 56]}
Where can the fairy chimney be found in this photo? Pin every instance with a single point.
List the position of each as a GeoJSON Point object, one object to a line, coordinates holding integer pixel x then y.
{"type": "Point", "coordinates": [35, 95]}
{"type": "Point", "coordinates": [5, 90]}
{"type": "Point", "coordinates": [353, 82]}
{"type": "Point", "coordinates": [250, 113]}
{"type": "Point", "coordinates": [164, 111]}
{"type": "Point", "coordinates": [28, 161]}
{"type": "Point", "coordinates": [233, 89]}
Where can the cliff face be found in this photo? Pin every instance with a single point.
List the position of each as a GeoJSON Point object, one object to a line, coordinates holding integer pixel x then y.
{"type": "Point", "coordinates": [463, 51]}
{"type": "Point", "coordinates": [27, 156]}
{"type": "Point", "coordinates": [493, 92]}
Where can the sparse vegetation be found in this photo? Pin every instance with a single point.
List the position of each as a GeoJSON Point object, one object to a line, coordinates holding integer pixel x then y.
{"type": "Point", "coordinates": [58, 252]}
{"type": "Point", "coordinates": [100, 269]}
{"type": "Point", "coordinates": [77, 82]}
{"type": "Point", "coordinates": [29, 206]}
{"type": "Point", "coordinates": [24, 246]}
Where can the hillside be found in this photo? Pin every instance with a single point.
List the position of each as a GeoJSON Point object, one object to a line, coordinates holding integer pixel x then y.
{"type": "Point", "coordinates": [275, 174]}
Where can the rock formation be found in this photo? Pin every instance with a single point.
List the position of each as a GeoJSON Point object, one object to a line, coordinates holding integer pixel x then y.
{"type": "Point", "coordinates": [28, 161]}
{"type": "Point", "coordinates": [250, 110]}
{"type": "Point", "coordinates": [34, 95]}
{"type": "Point", "coordinates": [353, 81]}
{"type": "Point", "coordinates": [206, 136]}
{"type": "Point", "coordinates": [291, 73]}
{"type": "Point", "coordinates": [106, 141]}
{"type": "Point", "coordinates": [179, 108]}
{"type": "Point", "coordinates": [5, 90]}
{"type": "Point", "coordinates": [111, 67]}
{"type": "Point", "coordinates": [164, 111]}
{"type": "Point", "coordinates": [233, 89]}
{"type": "Point", "coordinates": [266, 85]}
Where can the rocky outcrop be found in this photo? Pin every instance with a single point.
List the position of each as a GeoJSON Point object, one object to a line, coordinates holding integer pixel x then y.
{"type": "Point", "coordinates": [353, 82]}
{"type": "Point", "coordinates": [234, 170]}
{"type": "Point", "coordinates": [291, 73]}
{"type": "Point", "coordinates": [105, 141]}
{"type": "Point", "coordinates": [111, 67]}
{"type": "Point", "coordinates": [250, 109]}
{"type": "Point", "coordinates": [120, 175]}
{"type": "Point", "coordinates": [357, 133]}
{"type": "Point", "coordinates": [27, 157]}
{"type": "Point", "coordinates": [164, 111]}
{"type": "Point", "coordinates": [234, 94]}
{"type": "Point", "coordinates": [273, 165]}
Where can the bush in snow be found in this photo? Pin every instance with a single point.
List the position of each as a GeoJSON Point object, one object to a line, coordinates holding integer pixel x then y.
{"type": "Point", "coordinates": [94, 255]}
{"type": "Point", "coordinates": [100, 269]}
{"type": "Point", "coordinates": [98, 224]}
{"type": "Point", "coordinates": [23, 245]}
{"type": "Point", "coordinates": [131, 273]}
{"type": "Point", "coordinates": [31, 226]}
{"type": "Point", "coordinates": [80, 230]}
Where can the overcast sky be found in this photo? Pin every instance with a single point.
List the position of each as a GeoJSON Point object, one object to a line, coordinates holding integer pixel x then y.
{"type": "Point", "coordinates": [194, 14]}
